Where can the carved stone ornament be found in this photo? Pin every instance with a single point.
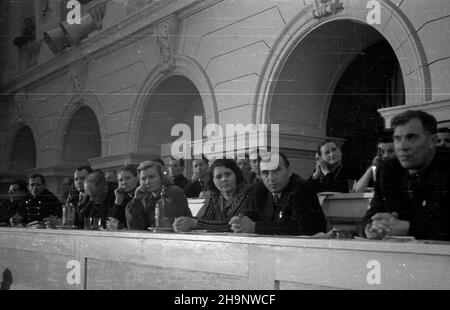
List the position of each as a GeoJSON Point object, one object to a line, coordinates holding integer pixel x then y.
{"type": "Point", "coordinates": [97, 13]}
{"type": "Point", "coordinates": [44, 6]}
{"type": "Point", "coordinates": [78, 76]}
{"type": "Point", "coordinates": [166, 40]}
{"type": "Point", "coordinates": [324, 8]}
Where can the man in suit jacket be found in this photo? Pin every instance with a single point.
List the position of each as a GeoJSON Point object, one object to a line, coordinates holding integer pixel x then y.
{"type": "Point", "coordinates": [283, 204]}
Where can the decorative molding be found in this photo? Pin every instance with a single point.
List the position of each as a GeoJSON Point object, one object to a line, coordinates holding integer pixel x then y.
{"type": "Point", "coordinates": [118, 161]}
{"type": "Point", "coordinates": [166, 38]}
{"type": "Point", "coordinates": [78, 75]}
{"type": "Point", "coordinates": [97, 13]}
{"type": "Point", "coordinates": [124, 33]}
{"type": "Point", "coordinates": [324, 8]}
{"type": "Point", "coordinates": [44, 6]}
{"type": "Point", "coordinates": [439, 109]}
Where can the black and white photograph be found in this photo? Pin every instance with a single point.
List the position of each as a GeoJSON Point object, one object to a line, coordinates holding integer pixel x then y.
{"type": "Point", "coordinates": [224, 150]}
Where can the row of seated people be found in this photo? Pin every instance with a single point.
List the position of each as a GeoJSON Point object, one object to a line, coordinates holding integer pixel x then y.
{"type": "Point", "coordinates": [230, 200]}
{"type": "Point", "coordinates": [411, 192]}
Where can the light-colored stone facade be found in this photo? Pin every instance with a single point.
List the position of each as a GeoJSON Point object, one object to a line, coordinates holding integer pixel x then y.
{"type": "Point", "coordinates": [157, 63]}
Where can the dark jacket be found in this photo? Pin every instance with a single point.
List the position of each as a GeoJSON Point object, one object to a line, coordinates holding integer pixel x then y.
{"type": "Point", "coordinates": [140, 214]}
{"type": "Point", "coordinates": [118, 211]}
{"type": "Point", "coordinates": [39, 207]}
{"type": "Point", "coordinates": [7, 210]}
{"type": "Point", "coordinates": [79, 206]}
{"type": "Point", "coordinates": [180, 181]}
{"type": "Point", "coordinates": [336, 181]}
{"type": "Point", "coordinates": [193, 189]}
{"type": "Point", "coordinates": [423, 199]}
{"type": "Point", "coordinates": [95, 209]}
{"type": "Point", "coordinates": [296, 213]}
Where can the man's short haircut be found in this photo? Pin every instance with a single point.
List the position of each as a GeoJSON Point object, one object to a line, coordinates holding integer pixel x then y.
{"type": "Point", "coordinates": [180, 160]}
{"type": "Point", "coordinates": [158, 167]}
{"type": "Point", "coordinates": [326, 141]}
{"type": "Point", "coordinates": [35, 176]}
{"type": "Point", "coordinates": [85, 167]}
{"type": "Point", "coordinates": [206, 160]}
{"type": "Point", "coordinates": [282, 156]}
{"type": "Point", "coordinates": [99, 180]}
{"type": "Point", "coordinates": [443, 130]}
{"type": "Point", "coordinates": [285, 159]}
{"type": "Point", "coordinates": [22, 184]}
{"type": "Point", "coordinates": [131, 168]}
{"type": "Point", "coordinates": [428, 121]}
{"type": "Point", "coordinates": [159, 160]}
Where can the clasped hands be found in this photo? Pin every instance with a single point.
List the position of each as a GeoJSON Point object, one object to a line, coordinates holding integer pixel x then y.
{"type": "Point", "coordinates": [239, 224]}
{"type": "Point", "coordinates": [386, 224]}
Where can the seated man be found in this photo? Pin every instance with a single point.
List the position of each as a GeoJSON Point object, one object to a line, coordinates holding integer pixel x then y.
{"type": "Point", "coordinates": [17, 194]}
{"type": "Point", "coordinates": [197, 185]}
{"type": "Point", "coordinates": [80, 198]}
{"type": "Point", "coordinates": [385, 152]}
{"type": "Point", "coordinates": [111, 176]}
{"type": "Point", "coordinates": [246, 167]}
{"type": "Point", "coordinates": [101, 197]}
{"type": "Point", "coordinates": [41, 206]}
{"type": "Point", "coordinates": [412, 196]}
{"type": "Point", "coordinates": [111, 179]}
{"type": "Point", "coordinates": [176, 168]}
{"type": "Point", "coordinates": [283, 204]}
{"type": "Point", "coordinates": [443, 138]}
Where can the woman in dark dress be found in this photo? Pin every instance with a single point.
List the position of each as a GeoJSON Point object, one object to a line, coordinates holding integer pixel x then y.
{"type": "Point", "coordinates": [330, 175]}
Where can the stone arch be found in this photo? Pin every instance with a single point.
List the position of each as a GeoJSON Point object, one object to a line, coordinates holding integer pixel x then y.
{"type": "Point", "coordinates": [185, 67]}
{"type": "Point", "coordinates": [23, 155]}
{"type": "Point", "coordinates": [395, 28]}
{"type": "Point", "coordinates": [21, 121]}
{"type": "Point", "coordinates": [91, 102]}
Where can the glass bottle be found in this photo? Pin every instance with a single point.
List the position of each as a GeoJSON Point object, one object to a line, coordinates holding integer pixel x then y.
{"type": "Point", "coordinates": [163, 216]}
{"type": "Point", "coordinates": [68, 214]}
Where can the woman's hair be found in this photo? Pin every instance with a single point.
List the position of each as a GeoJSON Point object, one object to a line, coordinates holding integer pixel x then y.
{"type": "Point", "coordinates": [227, 163]}
{"type": "Point", "coordinates": [131, 169]}
{"type": "Point", "coordinates": [319, 147]}
{"type": "Point", "coordinates": [22, 184]}
{"type": "Point", "coordinates": [166, 180]}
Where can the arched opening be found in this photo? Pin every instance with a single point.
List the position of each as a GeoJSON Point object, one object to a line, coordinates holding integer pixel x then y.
{"type": "Point", "coordinates": [176, 100]}
{"type": "Point", "coordinates": [23, 155]}
{"type": "Point", "coordinates": [82, 139]}
{"type": "Point", "coordinates": [372, 81]}
{"type": "Point", "coordinates": [332, 84]}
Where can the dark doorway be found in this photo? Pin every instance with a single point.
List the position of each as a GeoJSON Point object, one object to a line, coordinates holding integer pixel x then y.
{"type": "Point", "coordinates": [373, 80]}
{"type": "Point", "coordinates": [82, 139]}
{"type": "Point", "coordinates": [23, 156]}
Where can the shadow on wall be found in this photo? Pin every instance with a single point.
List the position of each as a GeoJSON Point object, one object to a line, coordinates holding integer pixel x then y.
{"type": "Point", "coordinates": [6, 280]}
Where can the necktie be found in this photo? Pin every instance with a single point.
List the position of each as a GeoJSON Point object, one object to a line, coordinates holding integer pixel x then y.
{"type": "Point", "coordinates": [277, 208]}
{"type": "Point", "coordinates": [276, 198]}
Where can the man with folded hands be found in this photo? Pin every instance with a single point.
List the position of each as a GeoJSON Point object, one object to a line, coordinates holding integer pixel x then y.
{"type": "Point", "coordinates": [283, 204]}
{"type": "Point", "coordinates": [412, 196]}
